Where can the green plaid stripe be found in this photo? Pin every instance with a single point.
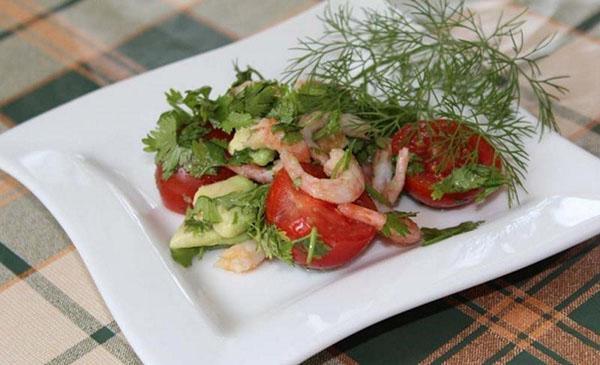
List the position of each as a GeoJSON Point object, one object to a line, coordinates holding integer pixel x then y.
{"type": "Point", "coordinates": [546, 313]}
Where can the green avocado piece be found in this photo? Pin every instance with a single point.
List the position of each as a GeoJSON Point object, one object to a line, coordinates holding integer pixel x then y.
{"type": "Point", "coordinates": [240, 140]}
{"type": "Point", "coordinates": [187, 239]}
{"type": "Point", "coordinates": [233, 222]}
{"type": "Point", "coordinates": [262, 157]}
{"type": "Point", "coordinates": [233, 184]}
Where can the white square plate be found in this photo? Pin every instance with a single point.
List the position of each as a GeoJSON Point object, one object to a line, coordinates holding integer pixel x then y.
{"type": "Point", "coordinates": [84, 161]}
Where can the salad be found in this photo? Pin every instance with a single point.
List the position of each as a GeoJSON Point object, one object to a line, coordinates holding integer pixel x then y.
{"type": "Point", "coordinates": [420, 104]}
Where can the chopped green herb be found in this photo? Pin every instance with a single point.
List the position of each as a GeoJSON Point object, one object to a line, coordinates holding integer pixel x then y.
{"type": "Point", "coordinates": [377, 196]}
{"type": "Point", "coordinates": [433, 235]}
{"type": "Point", "coordinates": [313, 245]}
{"type": "Point", "coordinates": [468, 177]}
{"type": "Point", "coordinates": [415, 165]}
{"type": "Point", "coordinates": [343, 164]}
{"type": "Point", "coordinates": [394, 223]}
{"type": "Point", "coordinates": [236, 120]}
{"type": "Point", "coordinates": [291, 132]}
{"type": "Point", "coordinates": [332, 127]}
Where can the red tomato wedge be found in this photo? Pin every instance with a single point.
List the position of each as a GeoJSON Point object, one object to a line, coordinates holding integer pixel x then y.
{"type": "Point", "coordinates": [178, 190]}
{"type": "Point", "coordinates": [424, 139]}
{"type": "Point", "coordinates": [296, 213]}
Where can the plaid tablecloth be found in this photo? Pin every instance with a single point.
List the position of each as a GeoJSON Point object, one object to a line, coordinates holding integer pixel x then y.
{"type": "Point", "coordinates": [52, 51]}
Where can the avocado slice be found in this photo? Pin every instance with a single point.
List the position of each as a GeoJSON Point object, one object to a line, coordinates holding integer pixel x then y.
{"type": "Point", "coordinates": [186, 239]}
{"type": "Point", "coordinates": [262, 157]}
{"type": "Point", "coordinates": [233, 222]}
{"type": "Point", "coordinates": [233, 184]}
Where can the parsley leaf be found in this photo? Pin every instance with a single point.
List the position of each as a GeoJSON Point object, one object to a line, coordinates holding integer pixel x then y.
{"type": "Point", "coordinates": [243, 76]}
{"type": "Point", "coordinates": [394, 223]}
{"type": "Point", "coordinates": [291, 132]}
{"type": "Point", "coordinates": [241, 157]}
{"type": "Point", "coordinates": [468, 177]}
{"type": "Point", "coordinates": [163, 141]}
{"type": "Point", "coordinates": [236, 120]}
{"type": "Point", "coordinates": [256, 99]}
{"type": "Point", "coordinates": [206, 156]}
{"type": "Point", "coordinates": [202, 216]}
{"type": "Point", "coordinates": [286, 108]}
{"type": "Point", "coordinates": [433, 235]}
{"type": "Point", "coordinates": [332, 127]}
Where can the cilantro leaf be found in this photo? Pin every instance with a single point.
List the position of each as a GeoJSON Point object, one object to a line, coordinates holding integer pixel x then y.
{"type": "Point", "coordinates": [243, 76]}
{"type": "Point", "coordinates": [206, 156]}
{"type": "Point", "coordinates": [236, 120]}
{"type": "Point", "coordinates": [468, 177]}
{"type": "Point", "coordinates": [202, 216]}
{"type": "Point", "coordinates": [394, 223]}
{"type": "Point", "coordinates": [332, 127]}
{"type": "Point", "coordinates": [163, 141]}
{"type": "Point", "coordinates": [291, 132]}
{"type": "Point", "coordinates": [433, 235]}
{"type": "Point", "coordinates": [363, 150]}
{"type": "Point", "coordinates": [256, 99]}
{"type": "Point", "coordinates": [286, 108]}
{"type": "Point", "coordinates": [241, 157]}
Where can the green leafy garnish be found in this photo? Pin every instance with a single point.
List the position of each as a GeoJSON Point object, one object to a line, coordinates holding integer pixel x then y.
{"type": "Point", "coordinates": [332, 127]}
{"type": "Point", "coordinates": [286, 108]}
{"type": "Point", "coordinates": [313, 245]}
{"type": "Point", "coordinates": [243, 76]}
{"type": "Point", "coordinates": [291, 132]}
{"type": "Point", "coordinates": [241, 157]}
{"type": "Point", "coordinates": [343, 163]}
{"type": "Point", "coordinates": [236, 120]}
{"type": "Point", "coordinates": [375, 195]}
{"type": "Point", "coordinates": [469, 177]}
{"type": "Point", "coordinates": [433, 235]}
{"type": "Point", "coordinates": [430, 60]}
{"type": "Point", "coordinates": [415, 165]}
{"type": "Point", "coordinates": [394, 223]}
{"type": "Point", "coordinates": [202, 216]}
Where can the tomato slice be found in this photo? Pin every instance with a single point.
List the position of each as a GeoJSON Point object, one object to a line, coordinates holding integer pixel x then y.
{"type": "Point", "coordinates": [426, 140]}
{"type": "Point", "coordinates": [178, 190]}
{"type": "Point", "coordinates": [296, 213]}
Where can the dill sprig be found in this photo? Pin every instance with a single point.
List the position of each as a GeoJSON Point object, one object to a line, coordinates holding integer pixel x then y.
{"type": "Point", "coordinates": [432, 61]}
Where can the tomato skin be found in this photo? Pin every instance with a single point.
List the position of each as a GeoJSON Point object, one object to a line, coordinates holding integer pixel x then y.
{"type": "Point", "coordinates": [420, 138]}
{"type": "Point", "coordinates": [178, 190]}
{"type": "Point", "coordinates": [296, 213]}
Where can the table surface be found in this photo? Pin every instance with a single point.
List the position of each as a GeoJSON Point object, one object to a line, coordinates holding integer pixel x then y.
{"type": "Point", "coordinates": [52, 51]}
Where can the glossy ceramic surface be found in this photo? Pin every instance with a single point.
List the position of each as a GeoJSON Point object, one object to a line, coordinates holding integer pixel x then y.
{"type": "Point", "coordinates": [84, 161]}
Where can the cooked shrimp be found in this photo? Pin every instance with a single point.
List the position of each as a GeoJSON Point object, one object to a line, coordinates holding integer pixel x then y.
{"type": "Point", "coordinates": [242, 257]}
{"type": "Point", "coordinates": [377, 220]}
{"type": "Point", "coordinates": [262, 136]}
{"type": "Point", "coordinates": [390, 186]}
{"type": "Point", "coordinates": [253, 172]}
{"type": "Point", "coordinates": [313, 122]}
{"type": "Point", "coordinates": [345, 188]}
{"type": "Point", "coordinates": [353, 126]}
